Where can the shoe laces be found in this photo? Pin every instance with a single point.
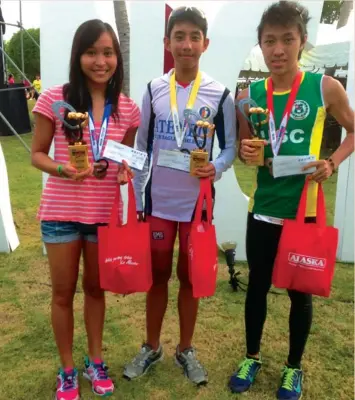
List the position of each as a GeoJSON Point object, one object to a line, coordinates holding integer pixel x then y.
{"type": "Point", "coordinates": [68, 381]}
{"type": "Point", "coordinates": [140, 359]}
{"type": "Point", "coordinates": [100, 371]}
{"type": "Point", "coordinates": [288, 378]}
{"type": "Point", "coordinates": [245, 368]}
{"type": "Point", "coordinates": [191, 360]}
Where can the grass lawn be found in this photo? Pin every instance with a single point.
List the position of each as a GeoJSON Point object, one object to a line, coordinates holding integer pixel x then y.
{"type": "Point", "coordinates": [28, 354]}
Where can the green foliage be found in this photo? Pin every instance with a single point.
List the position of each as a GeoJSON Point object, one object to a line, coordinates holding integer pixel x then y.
{"type": "Point", "coordinates": [331, 11]}
{"type": "Point", "coordinates": [31, 54]}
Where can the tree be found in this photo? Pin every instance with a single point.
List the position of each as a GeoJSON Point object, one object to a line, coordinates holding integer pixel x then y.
{"type": "Point", "coordinates": [31, 54]}
{"type": "Point", "coordinates": [123, 30]}
{"type": "Point", "coordinates": [330, 12]}
{"type": "Point", "coordinates": [345, 10]}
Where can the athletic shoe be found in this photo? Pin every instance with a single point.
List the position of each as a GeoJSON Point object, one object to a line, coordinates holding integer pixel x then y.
{"type": "Point", "coordinates": [192, 368]}
{"type": "Point", "coordinates": [291, 384]}
{"type": "Point", "coordinates": [96, 372]}
{"type": "Point", "coordinates": [245, 375]}
{"type": "Point", "coordinates": [67, 385]}
{"type": "Point", "coordinates": [140, 365]}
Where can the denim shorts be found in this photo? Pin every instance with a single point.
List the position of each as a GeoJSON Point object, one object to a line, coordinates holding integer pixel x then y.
{"type": "Point", "coordinates": [65, 232]}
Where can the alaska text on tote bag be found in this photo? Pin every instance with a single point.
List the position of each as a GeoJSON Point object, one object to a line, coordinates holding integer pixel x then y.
{"type": "Point", "coordinates": [306, 254]}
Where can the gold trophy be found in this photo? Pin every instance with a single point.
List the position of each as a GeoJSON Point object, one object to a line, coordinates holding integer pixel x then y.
{"type": "Point", "coordinates": [78, 150]}
{"type": "Point", "coordinates": [255, 141]}
{"type": "Point", "coordinates": [255, 128]}
{"type": "Point", "coordinates": [199, 157]}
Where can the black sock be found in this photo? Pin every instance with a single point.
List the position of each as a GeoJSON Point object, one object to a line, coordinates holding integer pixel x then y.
{"type": "Point", "coordinates": [294, 366]}
{"type": "Point", "coordinates": [253, 358]}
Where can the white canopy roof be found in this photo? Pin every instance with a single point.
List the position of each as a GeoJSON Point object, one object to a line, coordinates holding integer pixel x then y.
{"type": "Point", "coordinates": [320, 57]}
{"type": "Point", "coordinates": [327, 55]}
{"type": "Point", "coordinates": [331, 50]}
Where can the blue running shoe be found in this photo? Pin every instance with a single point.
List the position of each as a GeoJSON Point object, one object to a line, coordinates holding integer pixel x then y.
{"type": "Point", "coordinates": [245, 376]}
{"type": "Point", "coordinates": [291, 384]}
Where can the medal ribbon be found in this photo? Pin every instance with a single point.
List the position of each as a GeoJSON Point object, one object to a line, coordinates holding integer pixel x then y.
{"type": "Point", "coordinates": [97, 143]}
{"type": "Point", "coordinates": [276, 136]}
{"type": "Point", "coordinates": [179, 132]}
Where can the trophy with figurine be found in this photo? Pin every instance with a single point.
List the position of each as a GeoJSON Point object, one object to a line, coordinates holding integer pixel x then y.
{"type": "Point", "coordinates": [253, 114]}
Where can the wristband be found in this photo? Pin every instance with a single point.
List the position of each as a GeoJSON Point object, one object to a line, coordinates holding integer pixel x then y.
{"type": "Point", "coordinates": [332, 165]}
{"type": "Point", "coordinates": [60, 170]}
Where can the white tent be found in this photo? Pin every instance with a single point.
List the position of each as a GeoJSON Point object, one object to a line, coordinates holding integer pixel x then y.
{"type": "Point", "coordinates": [331, 50]}
{"type": "Point", "coordinates": [316, 59]}
{"type": "Point", "coordinates": [332, 47]}
{"type": "Point", "coordinates": [327, 56]}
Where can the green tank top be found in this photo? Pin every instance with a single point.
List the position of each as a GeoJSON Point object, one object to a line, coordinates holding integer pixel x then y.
{"type": "Point", "coordinates": [279, 197]}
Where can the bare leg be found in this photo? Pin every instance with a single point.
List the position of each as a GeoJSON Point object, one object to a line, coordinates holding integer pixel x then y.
{"type": "Point", "coordinates": [64, 266]}
{"type": "Point", "coordinates": [94, 300]}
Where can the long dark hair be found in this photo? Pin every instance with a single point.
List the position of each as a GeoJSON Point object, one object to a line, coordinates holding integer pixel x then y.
{"type": "Point", "coordinates": [76, 92]}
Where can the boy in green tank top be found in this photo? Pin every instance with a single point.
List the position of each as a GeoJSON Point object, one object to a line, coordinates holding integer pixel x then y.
{"type": "Point", "coordinates": [297, 103]}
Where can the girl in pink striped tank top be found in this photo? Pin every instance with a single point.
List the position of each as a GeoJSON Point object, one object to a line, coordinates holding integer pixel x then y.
{"type": "Point", "coordinates": [75, 202]}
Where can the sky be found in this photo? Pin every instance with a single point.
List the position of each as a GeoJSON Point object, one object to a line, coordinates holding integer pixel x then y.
{"type": "Point", "coordinates": [11, 14]}
{"type": "Point", "coordinates": [31, 14]}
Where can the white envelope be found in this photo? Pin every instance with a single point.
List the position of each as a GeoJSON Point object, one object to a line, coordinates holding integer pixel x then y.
{"type": "Point", "coordinates": [291, 165]}
{"type": "Point", "coordinates": [174, 159]}
{"type": "Point", "coordinates": [117, 152]}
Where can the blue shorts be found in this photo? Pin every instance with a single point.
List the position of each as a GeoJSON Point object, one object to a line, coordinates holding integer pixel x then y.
{"type": "Point", "coordinates": [65, 232]}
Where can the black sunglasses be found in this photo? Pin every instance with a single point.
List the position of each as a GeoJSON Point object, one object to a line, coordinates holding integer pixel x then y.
{"type": "Point", "coordinates": [183, 10]}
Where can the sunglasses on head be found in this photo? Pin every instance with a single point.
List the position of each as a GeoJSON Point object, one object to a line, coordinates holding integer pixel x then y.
{"type": "Point", "coordinates": [182, 10]}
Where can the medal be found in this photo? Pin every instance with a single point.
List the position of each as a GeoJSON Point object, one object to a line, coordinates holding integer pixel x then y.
{"type": "Point", "coordinates": [100, 168]}
{"type": "Point", "coordinates": [179, 132]}
{"type": "Point", "coordinates": [97, 143]}
{"type": "Point", "coordinates": [276, 136]}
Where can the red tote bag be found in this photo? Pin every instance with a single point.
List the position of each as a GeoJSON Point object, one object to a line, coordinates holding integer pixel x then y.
{"type": "Point", "coordinates": [203, 261]}
{"type": "Point", "coordinates": [124, 251]}
{"type": "Point", "coordinates": [306, 255]}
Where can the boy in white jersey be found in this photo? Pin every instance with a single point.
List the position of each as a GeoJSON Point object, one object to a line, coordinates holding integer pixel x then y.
{"type": "Point", "coordinates": [170, 193]}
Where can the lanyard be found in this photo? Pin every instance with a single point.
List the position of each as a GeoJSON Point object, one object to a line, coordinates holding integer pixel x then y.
{"type": "Point", "coordinates": [276, 136]}
{"type": "Point", "coordinates": [179, 132]}
{"type": "Point", "coordinates": [97, 143]}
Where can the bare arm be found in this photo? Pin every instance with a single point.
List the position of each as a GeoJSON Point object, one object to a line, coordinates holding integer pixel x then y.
{"type": "Point", "coordinates": [125, 173]}
{"type": "Point", "coordinates": [337, 104]}
{"type": "Point", "coordinates": [41, 143]}
{"type": "Point", "coordinates": [129, 137]}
